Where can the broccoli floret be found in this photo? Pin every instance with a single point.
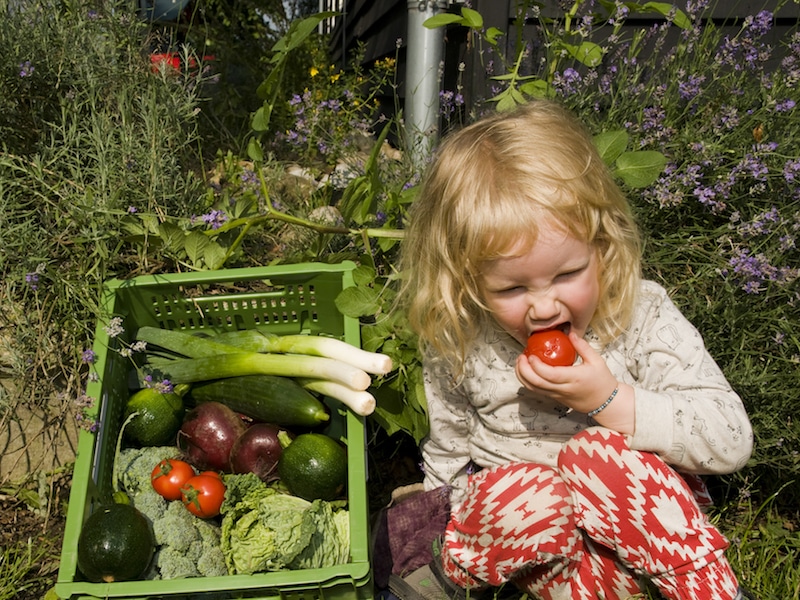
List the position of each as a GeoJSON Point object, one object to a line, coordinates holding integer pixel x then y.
{"type": "Point", "coordinates": [176, 528]}
{"type": "Point", "coordinates": [187, 546]}
{"type": "Point", "coordinates": [150, 504]}
{"type": "Point", "coordinates": [212, 561]}
{"type": "Point", "coordinates": [133, 466]}
{"type": "Point", "coordinates": [173, 564]}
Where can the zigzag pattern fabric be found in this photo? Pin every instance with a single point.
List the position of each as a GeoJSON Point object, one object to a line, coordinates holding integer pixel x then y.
{"type": "Point", "coordinates": [589, 529]}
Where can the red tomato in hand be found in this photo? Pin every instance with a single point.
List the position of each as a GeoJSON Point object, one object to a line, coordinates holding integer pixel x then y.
{"type": "Point", "coordinates": [168, 477]}
{"type": "Point", "coordinates": [552, 347]}
{"type": "Point", "coordinates": [203, 494]}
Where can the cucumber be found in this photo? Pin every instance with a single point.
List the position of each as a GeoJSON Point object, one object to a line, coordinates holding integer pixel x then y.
{"type": "Point", "coordinates": [267, 398]}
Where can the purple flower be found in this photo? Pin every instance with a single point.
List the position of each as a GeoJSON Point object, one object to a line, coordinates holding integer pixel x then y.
{"type": "Point", "coordinates": [785, 106]}
{"type": "Point", "coordinates": [761, 224]}
{"type": "Point", "coordinates": [88, 356]}
{"type": "Point", "coordinates": [32, 279]}
{"type": "Point", "coordinates": [752, 166]}
{"type": "Point", "coordinates": [620, 14]}
{"type": "Point", "coordinates": [165, 386]}
{"type": "Point", "coordinates": [568, 82]}
{"type": "Point", "coordinates": [754, 271]}
{"type": "Point", "coordinates": [215, 218]}
{"type": "Point", "coordinates": [790, 65]}
{"type": "Point", "coordinates": [759, 25]}
{"type": "Point", "coordinates": [690, 88]}
{"type": "Point", "coordinates": [791, 170]}
{"type": "Point", "coordinates": [26, 69]}
{"type": "Point", "coordinates": [708, 197]}
{"type": "Point", "coordinates": [333, 105]}
{"type": "Point", "coordinates": [249, 177]}
{"type": "Point", "coordinates": [132, 210]}
{"type": "Point", "coordinates": [727, 117]}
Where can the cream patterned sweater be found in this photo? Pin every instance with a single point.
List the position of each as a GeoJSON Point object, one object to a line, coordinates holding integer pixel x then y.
{"type": "Point", "coordinates": [686, 412]}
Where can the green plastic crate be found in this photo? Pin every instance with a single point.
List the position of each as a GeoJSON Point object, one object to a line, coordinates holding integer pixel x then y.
{"type": "Point", "coordinates": [287, 299]}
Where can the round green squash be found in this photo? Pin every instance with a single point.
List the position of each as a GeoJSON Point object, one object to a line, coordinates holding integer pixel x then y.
{"type": "Point", "coordinates": [116, 544]}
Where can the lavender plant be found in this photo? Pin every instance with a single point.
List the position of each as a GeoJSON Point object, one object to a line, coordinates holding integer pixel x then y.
{"type": "Point", "coordinates": [720, 105]}
{"type": "Point", "coordinates": [89, 134]}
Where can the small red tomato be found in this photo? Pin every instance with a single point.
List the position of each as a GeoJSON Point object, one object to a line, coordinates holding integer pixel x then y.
{"type": "Point", "coordinates": [203, 494]}
{"type": "Point", "coordinates": [552, 347]}
{"type": "Point", "coordinates": [169, 475]}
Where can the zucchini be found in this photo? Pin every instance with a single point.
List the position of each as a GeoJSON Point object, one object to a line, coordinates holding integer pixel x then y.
{"type": "Point", "coordinates": [267, 398]}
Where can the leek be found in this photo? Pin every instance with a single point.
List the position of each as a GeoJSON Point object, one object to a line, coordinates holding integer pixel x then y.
{"type": "Point", "coordinates": [206, 368]}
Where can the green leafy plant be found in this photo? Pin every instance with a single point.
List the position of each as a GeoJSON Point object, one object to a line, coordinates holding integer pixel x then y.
{"type": "Point", "coordinates": [566, 40]}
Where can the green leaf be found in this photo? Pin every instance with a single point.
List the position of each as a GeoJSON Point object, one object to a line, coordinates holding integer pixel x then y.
{"type": "Point", "coordinates": [254, 151]}
{"type": "Point", "coordinates": [611, 144]}
{"type": "Point", "coordinates": [666, 9]}
{"type": "Point", "coordinates": [640, 169]}
{"type": "Point", "coordinates": [243, 207]}
{"type": "Point", "coordinates": [492, 34]}
{"type": "Point", "coordinates": [214, 256]}
{"type": "Point", "coordinates": [386, 244]}
{"type": "Point", "coordinates": [587, 53]}
{"type": "Point", "coordinates": [371, 338]}
{"type": "Point", "coordinates": [472, 18]}
{"type": "Point", "coordinates": [505, 100]}
{"type": "Point", "coordinates": [262, 117]}
{"type": "Point", "coordinates": [195, 245]}
{"type": "Point", "coordinates": [172, 235]}
{"type": "Point", "coordinates": [299, 32]}
{"type": "Point", "coordinates": [364, 275]}
{"type": "Point", "coordinates": [358, 301]}
{"type": "Point", "coordinates": [538, 88]}
{"type": "Point", "coordinates": [442, 20]}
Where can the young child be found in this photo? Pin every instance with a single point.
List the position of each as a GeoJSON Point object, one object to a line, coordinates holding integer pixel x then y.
{"type": "Point", "coordinates": [568, 481]}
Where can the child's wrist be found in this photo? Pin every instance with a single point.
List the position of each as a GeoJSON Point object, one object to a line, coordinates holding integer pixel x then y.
{"type": "Point", "coordinates": [604, 405]}
{"type": "Point", "coordinates": [620, 413]}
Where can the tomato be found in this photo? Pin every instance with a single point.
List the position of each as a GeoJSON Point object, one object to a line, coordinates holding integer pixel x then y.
{"type": "Point", "coordinates": [169, 475]}
{"type": "Point", "coordinates": [203, 494]}
{"type": "Point", "coordinates": [552, 347]}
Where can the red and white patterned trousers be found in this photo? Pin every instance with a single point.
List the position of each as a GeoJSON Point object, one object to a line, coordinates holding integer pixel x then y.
{"type": "Point", "coordinates": [587, 529]}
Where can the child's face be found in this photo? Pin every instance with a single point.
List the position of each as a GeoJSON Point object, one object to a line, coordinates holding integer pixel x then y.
{"type": "Point", "coordinates": [553, 284]}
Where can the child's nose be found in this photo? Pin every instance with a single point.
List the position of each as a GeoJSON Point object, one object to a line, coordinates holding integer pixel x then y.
{"type": "Point", "coordinates": [543, 307]}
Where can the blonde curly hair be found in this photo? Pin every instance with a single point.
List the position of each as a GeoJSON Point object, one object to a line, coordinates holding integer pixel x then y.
{"type": "Point", "coordinates": [490, 187]}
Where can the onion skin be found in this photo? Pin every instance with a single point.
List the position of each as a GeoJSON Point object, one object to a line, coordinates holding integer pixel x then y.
{"type": "Point", "coordinates": [208, 434]}
{"type": "Point", "coordinates": [257, 451]}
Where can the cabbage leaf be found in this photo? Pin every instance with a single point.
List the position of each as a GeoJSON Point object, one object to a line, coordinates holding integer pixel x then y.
{"type": "Point", "coordinates": [264, 529]}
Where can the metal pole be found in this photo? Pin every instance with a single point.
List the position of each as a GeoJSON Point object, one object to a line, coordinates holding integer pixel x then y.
{"type": "Point", "coordinates": [425, 50]}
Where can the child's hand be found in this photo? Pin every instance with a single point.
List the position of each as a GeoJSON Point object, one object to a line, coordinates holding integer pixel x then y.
{"type": "Point", "coordinates": [583, 387]}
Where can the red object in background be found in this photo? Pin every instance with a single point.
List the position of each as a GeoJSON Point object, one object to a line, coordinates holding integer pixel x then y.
{"type": "Point", "coordinates": [173, 61]}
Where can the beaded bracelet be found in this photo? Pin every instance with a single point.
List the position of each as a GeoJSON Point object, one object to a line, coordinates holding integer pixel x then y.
{"type": "Point", "coordinates": [592, 413]}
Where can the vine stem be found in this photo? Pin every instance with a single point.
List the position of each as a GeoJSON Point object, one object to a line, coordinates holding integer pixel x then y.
{"type": "Point", "coordinates": [247, 223]}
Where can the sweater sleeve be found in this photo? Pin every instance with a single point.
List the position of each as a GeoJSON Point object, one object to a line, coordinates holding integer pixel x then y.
{"type": "Point", "coordinates": [686, 411]}
{"type": "Point", "coordinates": [445, 450]}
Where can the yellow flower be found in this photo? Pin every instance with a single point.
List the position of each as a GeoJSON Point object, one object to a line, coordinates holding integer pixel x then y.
{"type": "Point", "coordinates": [335, 77]}
{"type": "Point", "coordinates": [387, 63]}
{"type": "Point", "coordinates": [313, 71]}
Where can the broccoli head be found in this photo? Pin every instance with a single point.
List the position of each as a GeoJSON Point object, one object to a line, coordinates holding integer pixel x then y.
{"type": "Point", "coordinates": [186, 545]}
